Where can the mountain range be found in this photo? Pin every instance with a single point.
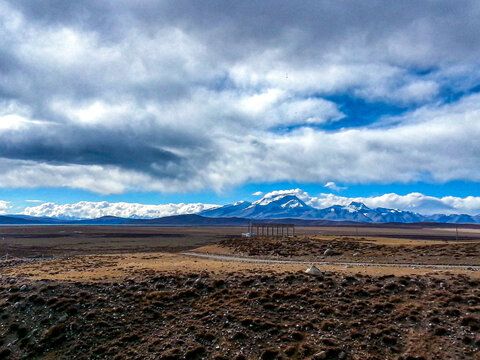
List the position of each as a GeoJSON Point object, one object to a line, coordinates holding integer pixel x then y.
{"type": "Point", "coordinates": [290, 206]}
{"type": "Point", "coordinates": [268, 209]}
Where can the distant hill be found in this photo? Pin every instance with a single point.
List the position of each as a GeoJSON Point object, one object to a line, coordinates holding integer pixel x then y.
{"type": "Point", "coordinates": [13, 220]}
{"type": "Point", "coordinates": [189, 220]}
{"type": "Point", "coordinates": [198, 220]}
{"type": "Point", "coordinates": [104, 220]}
{"type": "Point", "coordinates": [184, 220]}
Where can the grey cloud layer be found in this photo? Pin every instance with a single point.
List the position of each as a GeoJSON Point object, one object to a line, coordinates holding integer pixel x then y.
{"type": "Point", "coordinates": [171, 96]}
{"type": "Point", "coordinates": [436, 28]}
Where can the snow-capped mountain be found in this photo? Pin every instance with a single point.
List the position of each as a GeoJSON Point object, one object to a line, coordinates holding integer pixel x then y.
{"type": "Point", "coordinates": [266, 208]}
{"type": "Point", "coordinates": [290, 206]}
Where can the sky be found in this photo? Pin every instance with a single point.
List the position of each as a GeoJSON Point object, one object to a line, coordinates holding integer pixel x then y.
{"type": "Point", "coordinates": [116, 105]}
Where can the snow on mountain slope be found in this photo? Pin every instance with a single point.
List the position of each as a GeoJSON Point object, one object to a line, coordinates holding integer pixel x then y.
{"type": "Point", "coordinates": [266, 208]}
{"type": "Point", "coordinates": [290, 206]}
{"type": "Point", "coordinates": [232, 210]}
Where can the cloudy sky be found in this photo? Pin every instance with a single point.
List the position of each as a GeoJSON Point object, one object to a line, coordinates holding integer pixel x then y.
{"type": "Point", "coordinates": [157, 102]}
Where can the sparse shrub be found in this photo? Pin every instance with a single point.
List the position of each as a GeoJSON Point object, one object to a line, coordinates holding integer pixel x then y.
{"type": "Point", "coordinates": [55, 334]}
{"type": "Point", "coordinates": [240, 357]}
{"type": "Point", "coordinates": [327, 325]}
{"type": "Point", "coordinates": [5, 353]}
{"type": "Point", "coordinates": [196, 353]}
{"type": "Point", "coordinates": [389, 340]}
{"type": "Point", "coordinates": [22, 331]}
{"type": "Point", "coordinates": [218, 283]}
{"type": "Point", "coordinates": [130, 338]}
{"type": "Point", "coordinates": [239, 336]}
{"type": "Point", "coordinates": [472, 322]}
{"type": "Point", "coordinates": [440, 331]}
{"type": "Point", "coordinates": [297, 336]}
{"type": "Point", "coordinates": [269, 354]}
{"type": "Point", "coordinates": [291, 350]}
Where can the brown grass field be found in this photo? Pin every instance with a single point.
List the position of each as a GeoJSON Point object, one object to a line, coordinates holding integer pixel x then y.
{"type": "Point", "coordinates": [118, 292]}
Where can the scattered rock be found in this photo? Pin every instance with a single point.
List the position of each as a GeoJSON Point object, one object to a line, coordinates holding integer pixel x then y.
{"type": "Point", "coordinates": [320, 355]}
{"type": "Point", "coordinates": [313, 270]}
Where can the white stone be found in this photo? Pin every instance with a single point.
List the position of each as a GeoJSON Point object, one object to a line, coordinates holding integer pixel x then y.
{"type": "Point", "coordinates": [313, 270]}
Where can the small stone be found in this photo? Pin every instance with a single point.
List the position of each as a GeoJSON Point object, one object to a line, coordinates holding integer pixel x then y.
{"type": "Point", "coordinates": [23, 287]}
{"type": "Point", "coordinates": [198, 283]}
{"type": "Point", "coordinates": [313, 270]}
{"type": "Point", "coordinates": [328, 252]}
{"type": "Point", "coordinates": [342, 355]}
{"type": "Point", "coordinates": [18, 305]}
{"type": "Point", "coordinates": [320, 355]}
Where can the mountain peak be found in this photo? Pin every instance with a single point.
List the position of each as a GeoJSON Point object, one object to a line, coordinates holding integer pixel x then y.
{"type": "Point", "coordinates": [355, 205]}
{"type": "Point", "coordinates": [281, 200]}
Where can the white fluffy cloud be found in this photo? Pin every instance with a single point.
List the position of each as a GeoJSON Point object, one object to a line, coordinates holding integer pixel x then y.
{"type": "Point", "coordinates": [89, 210]}
{"type": "Point", "coordinates": [4, 206]}
{"type": "Point", "coordinates": [415, 202]}
{"type": "Point", "coordinates": [332, 186]}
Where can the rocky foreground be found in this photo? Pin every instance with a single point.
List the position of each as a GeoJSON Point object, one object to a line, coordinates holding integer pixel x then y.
{"type": "Point", "coordinates": [244, 315]}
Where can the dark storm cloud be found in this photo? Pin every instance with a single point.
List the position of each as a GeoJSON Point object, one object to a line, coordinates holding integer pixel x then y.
{"type": "Point", "coordinates": [139, 148]}
{"type": "Point", "coordinates": [443, 28]}
{"type": "Point", "coordinates": [79, 147]}
{"type": "Point", "coordinates": [99, 16]}
{"type": "Point", "coordinates": [179, 92]}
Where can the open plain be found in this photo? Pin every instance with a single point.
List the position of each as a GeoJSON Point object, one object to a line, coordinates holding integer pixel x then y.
{"type": "Point", "coordinates": [101, 292]}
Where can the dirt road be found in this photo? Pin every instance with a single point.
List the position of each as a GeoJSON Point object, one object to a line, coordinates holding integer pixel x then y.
{"type": "Point", "coordinates": [325, 263]}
